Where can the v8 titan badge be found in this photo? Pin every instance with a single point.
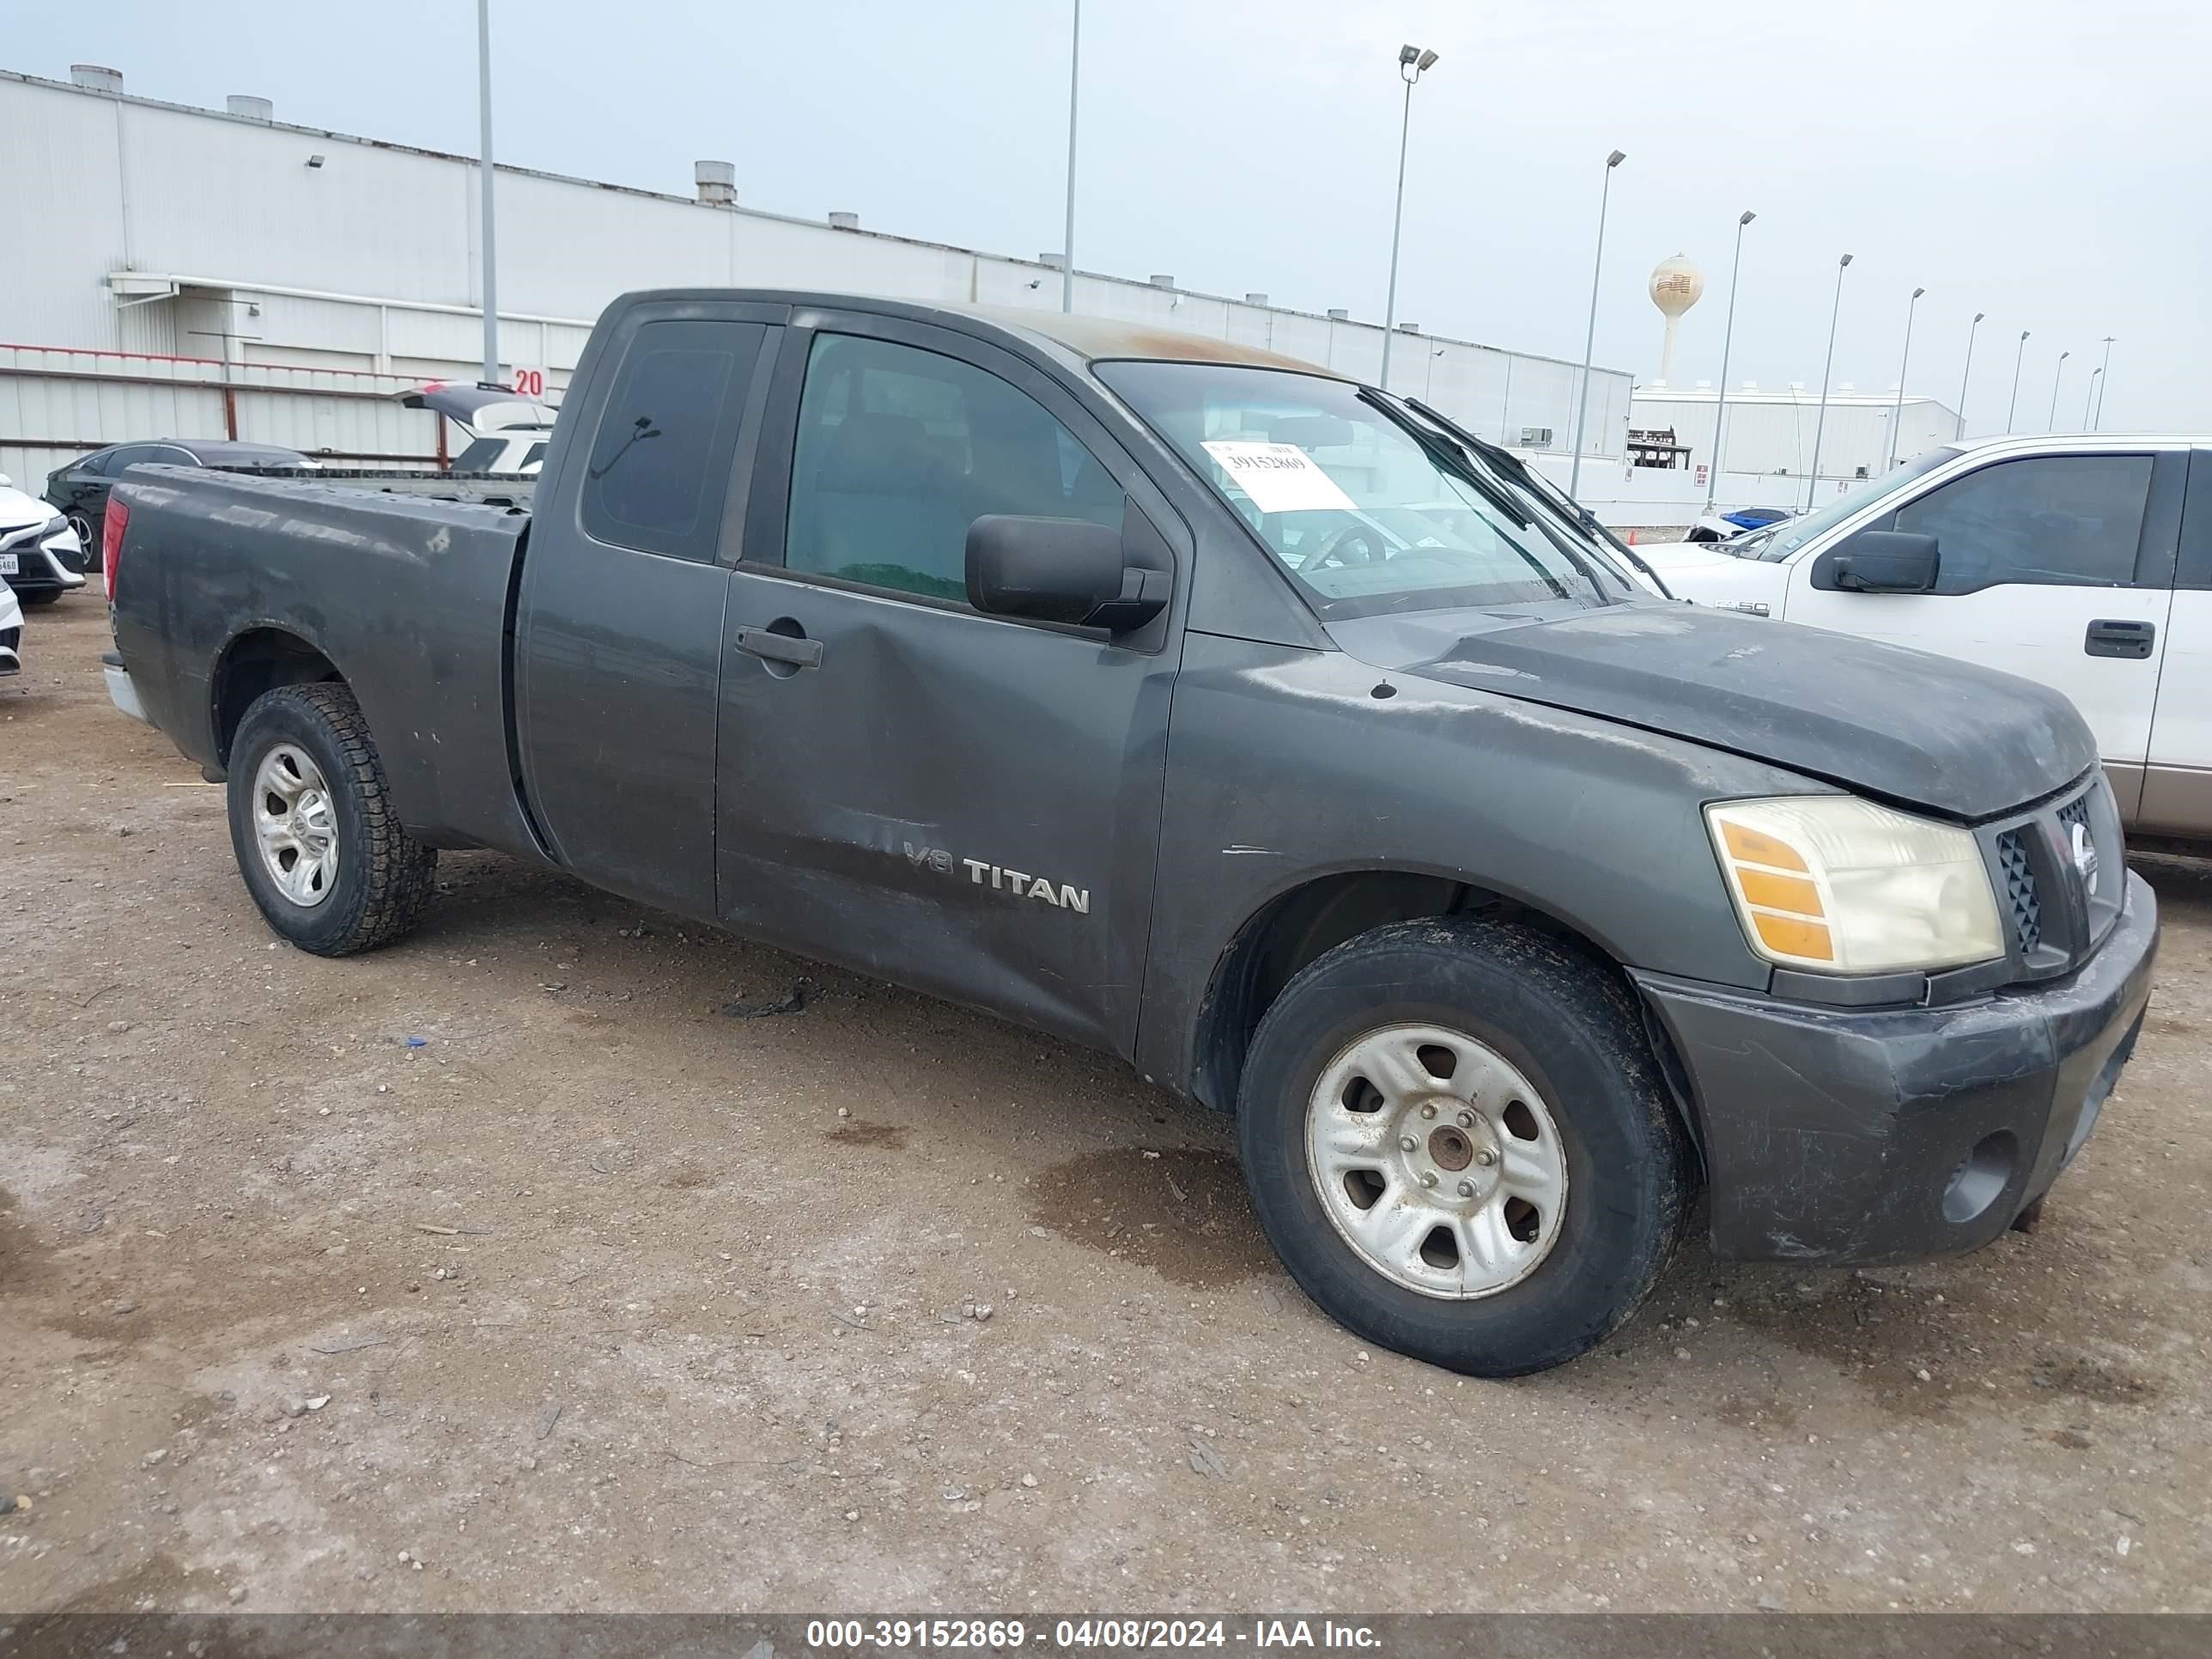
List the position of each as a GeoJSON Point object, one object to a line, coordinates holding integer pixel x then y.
{"type": "Point", "coordinates": [1278, 477]}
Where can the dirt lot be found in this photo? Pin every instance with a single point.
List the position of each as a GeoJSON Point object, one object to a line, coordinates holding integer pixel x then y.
{"type": "Point", "coordinates": [602, 1299]}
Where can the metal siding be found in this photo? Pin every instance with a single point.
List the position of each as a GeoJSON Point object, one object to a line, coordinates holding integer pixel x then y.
{"type": "Point", "coordinates": [235, 200]}
{"type": "Point", "coordinates": [377, 228]}
{"type": "Point", "coordinates": [57, 174]}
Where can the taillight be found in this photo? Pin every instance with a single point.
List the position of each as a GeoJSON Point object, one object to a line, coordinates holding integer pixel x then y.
{"type": "Point", "coordinates": [111, 542]}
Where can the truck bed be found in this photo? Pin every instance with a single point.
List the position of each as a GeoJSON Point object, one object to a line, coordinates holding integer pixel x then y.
{"type": "Point", "coordinates": [486, 488]}
{"type": "Point", "coordinates": [226, 579]}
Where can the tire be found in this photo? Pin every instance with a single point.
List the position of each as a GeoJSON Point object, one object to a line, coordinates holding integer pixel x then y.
{"type": "Point", "coordinates": [1507, 1011]}
{"type": "Point", "coordinates": [37, 596]}
{"type": "Point", "coordinates": [306, 748]}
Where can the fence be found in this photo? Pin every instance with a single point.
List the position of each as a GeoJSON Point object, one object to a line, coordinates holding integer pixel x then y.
{"type": "Point", "coordinates": [58, 402]}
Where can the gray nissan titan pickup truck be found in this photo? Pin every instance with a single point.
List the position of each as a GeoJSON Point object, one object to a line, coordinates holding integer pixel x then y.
{"type": "Point", "coordinates": [1204, 707]}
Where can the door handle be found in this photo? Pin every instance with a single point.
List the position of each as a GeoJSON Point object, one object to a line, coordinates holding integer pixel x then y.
{"type": "Point", "coordinates": [772, 647]}
{"type": "Point", "coordinates": [2113, 637]}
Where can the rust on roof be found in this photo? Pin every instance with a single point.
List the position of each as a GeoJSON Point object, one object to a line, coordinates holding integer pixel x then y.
{"type": "Point", "coordinates": [1095, 339]}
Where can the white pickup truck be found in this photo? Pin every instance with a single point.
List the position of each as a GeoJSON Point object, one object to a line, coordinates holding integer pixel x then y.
{"type": "Point", "coordinates": [2084, 561]}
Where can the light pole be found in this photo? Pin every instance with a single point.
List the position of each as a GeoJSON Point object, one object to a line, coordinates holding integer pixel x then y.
{"type": "Point", "coordinates": [490, 262]}
{"type": "Point", "coordinates": [1728, 340]}
{"type": "Point", "coordinates": [2058, 376]}
{"type": "Point", "coordinates": [1897, 420]}
{"type": "Point", "coordinates": [1590, 338]}
{"type": "Point", "coordinates": [1413, 62]}
{"type": "Point", "coordinates": [2097, 422]}
{"type": "Point", "coordinates": [1068, 236]}
{"type": "Point", "coordinates": [1968, 370]}
{"type": "Point", "coordinates": [2089, 398]}
{"type": "Point", "coordinates": [2017, 356]}
{"type": "Point", "coordinates": [1821, 425]}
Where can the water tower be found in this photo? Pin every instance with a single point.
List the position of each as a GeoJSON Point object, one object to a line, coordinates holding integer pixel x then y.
{"type": "Point", "coordinates": [1677, 285]}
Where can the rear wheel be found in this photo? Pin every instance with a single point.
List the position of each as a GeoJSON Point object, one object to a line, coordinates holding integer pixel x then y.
{"type": "Point", "coordinates": [313, 826]}
{"type": "Point", "coordinates": [1458, 1142]}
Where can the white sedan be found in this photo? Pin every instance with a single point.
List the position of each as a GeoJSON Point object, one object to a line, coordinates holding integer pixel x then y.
{"type": "Point", "coordinates": [39, 554]}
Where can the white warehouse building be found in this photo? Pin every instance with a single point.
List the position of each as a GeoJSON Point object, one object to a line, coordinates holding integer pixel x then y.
{"type": "Point", "coordinates": [1769, 435]}
{"type": "Point", "coordinates": [202, 273]}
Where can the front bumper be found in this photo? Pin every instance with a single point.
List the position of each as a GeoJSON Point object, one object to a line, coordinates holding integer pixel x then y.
{"type": "Point", "coordinates": [1891, 1135]}
{"type": "Point", "coordinates": [41, 569]}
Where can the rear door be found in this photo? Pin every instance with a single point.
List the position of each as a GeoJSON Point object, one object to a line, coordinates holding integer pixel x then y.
{"type": "Point", "coordinates": [2176, 797]}
{"type": "Point", "coordinates": [619, 631]}
{"type": "Point", "coordinates": [80, 490]}
{"type": "Point", "coordinates": [2058, 567]}
{"type": "Point", "coordinates": [965, 803]}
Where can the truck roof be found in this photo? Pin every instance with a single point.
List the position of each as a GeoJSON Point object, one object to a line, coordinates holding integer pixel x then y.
{"type": "Point", "coordinates": [1077, 339]}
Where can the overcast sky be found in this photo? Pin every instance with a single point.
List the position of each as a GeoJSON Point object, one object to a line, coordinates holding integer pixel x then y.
{"type": "Point", "coordinates": [2047, 163]}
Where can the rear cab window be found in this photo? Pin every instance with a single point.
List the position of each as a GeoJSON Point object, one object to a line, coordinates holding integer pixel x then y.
{"type": "Point", "coordinates": [659, 470]}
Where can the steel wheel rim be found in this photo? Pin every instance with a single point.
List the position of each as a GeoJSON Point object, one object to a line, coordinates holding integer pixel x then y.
{"type": "Point", "coordinates": [1473, 1205]}
{"type": "Point", "coordinates": [295, 825]}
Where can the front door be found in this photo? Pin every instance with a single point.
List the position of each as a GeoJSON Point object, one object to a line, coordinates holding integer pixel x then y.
{"type": "Point", "coordinates": [967, 804]}
{"type": "Point", "coordinates": [619, 627]}
{"type": "Point", "coordinates": [2056, 568]}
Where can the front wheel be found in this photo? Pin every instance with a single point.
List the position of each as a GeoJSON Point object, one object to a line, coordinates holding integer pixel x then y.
{"type": "Point", "coordinates": [312, 823]}
{"type": "Point", "coordinates": [1457, 1140]}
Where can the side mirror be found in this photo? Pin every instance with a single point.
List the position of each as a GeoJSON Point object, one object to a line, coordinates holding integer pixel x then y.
{"type": "Point", "coordinates": [1884, 561]}
{"type": "Point", "coordinates": [1060, 570]}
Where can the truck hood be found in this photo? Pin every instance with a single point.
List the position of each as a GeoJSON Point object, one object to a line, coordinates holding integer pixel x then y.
{"type": "Point", "coordinates": [1958, 739]}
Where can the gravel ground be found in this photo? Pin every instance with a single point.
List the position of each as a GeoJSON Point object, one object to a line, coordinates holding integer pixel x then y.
{"type": "Point", "coordinates": [503, 1270]}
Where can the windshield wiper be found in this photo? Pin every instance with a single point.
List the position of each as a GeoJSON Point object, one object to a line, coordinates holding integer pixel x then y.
{"type": "Point", "coordinates": [1474, 463]}
{"type": "Point", "coordinates": [1445, 444]}
{"type": "Point", "coordinates": [1534, 484]}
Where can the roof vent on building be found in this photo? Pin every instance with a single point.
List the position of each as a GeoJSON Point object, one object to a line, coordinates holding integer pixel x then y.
{"type": "Point", "coordinates": [1256, 299]}
{"type": "Point", "coordinates": [1409, 328]}
{"type": "Point", "coordinates": [93, 77]}
{"type": "Point", "coordinates": [1845, 386]}
{"type": "Point", "coordinates": [1704, 385]}
{"type": "Point", "coordinates": [1797, 385]}
{"type": "Point", "coordinates": [1751, 385]}
{"type": "Point", "coordinates": [717, 182]}
{"type": "Point", "coordinates": [1053, 261]}
{"type": "Point", "coordinates": [253, 109]}
{"type": "Point", "coordinates": [1655, 386]}
{"type": "Point", "coordinates": [1338, 314]}
{"type": "Point", "coordinates": [1160, 280]}
{"type": "Point", "coordinates": [844, 221]}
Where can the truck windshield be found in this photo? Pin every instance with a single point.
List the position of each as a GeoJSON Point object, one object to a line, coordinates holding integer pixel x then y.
{"type": "Point", "coordinates": [1366, 516]}
{"type": "Point", "coordinates": [1774, 545]}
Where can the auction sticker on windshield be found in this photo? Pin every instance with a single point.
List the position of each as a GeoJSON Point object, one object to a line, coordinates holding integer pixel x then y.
{"type": "Point", "coordinates": [1278, 477]}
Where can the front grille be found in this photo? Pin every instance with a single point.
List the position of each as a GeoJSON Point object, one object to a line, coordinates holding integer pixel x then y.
{"type": "Point", "coordinates": [2026, 911]}
{"type": "Point", "coordinates": [2076, 811]}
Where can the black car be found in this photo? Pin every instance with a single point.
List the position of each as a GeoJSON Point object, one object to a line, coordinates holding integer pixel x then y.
{"type": "Point", "coordinates": [80, 490]}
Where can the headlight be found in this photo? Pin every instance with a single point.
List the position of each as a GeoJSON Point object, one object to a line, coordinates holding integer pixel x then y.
{"type": "Point", "coordinates": [58, 530]}
{"type": "Point", "coordinates": [1840, 885]}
